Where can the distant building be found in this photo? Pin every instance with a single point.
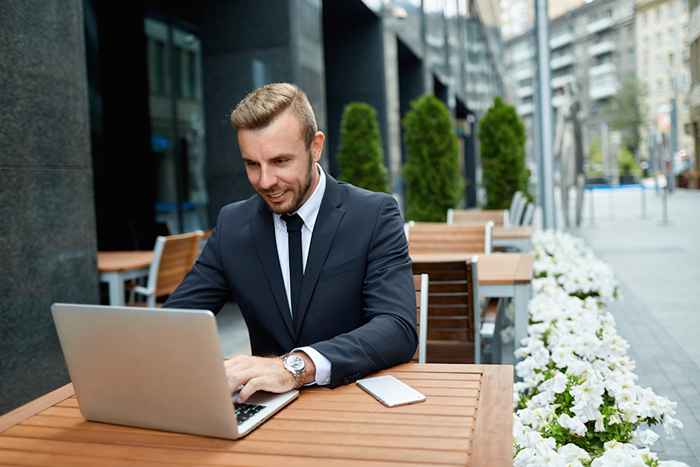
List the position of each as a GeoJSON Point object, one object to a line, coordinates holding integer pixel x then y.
{"type": "Point", "coordinates": [663, 69]}
{"type": "Point", "coordinates": [115, 125]}
{"type": "Point", "coordinates": [591, 50]}
{"type": "Point", "coordinates": [518, 16]}
{"type": "Point", "coordinates": [694, 94]}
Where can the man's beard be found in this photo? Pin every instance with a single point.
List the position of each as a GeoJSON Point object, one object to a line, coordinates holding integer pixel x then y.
{"type": "Point", "coordinates": [307, 187]}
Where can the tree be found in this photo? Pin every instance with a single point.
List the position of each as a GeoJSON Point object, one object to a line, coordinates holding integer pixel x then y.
{"type": "Point", "coordinates": [626, 112]}
{"type": "Point", "coordinates": [360, 155]}
{"type": "Point", "coordinates": [502, 137]}
{"type": "Point", "coordinates": [433, 179]}
{"type": "Point", "coordinates": [595, 160]}
{"type": "Point", "coordinates": [627, 164]}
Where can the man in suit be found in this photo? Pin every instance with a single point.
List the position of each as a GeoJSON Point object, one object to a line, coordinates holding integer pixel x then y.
{"type": "Point", "coordinates": [319, 268]}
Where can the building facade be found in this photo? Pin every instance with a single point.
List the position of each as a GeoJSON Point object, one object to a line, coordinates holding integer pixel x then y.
{"type": "Point", "coordinates": [591, 52]}
{"type": "Point", "coordinates": [116, 126]}
{"type": "Point", "coordinates": [663, 67]}
{"type": "Point", "coordinates": [693, 128]}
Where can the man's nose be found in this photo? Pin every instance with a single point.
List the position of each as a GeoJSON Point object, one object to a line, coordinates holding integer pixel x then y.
{"type": "Point", "coordinates": [267, 178]}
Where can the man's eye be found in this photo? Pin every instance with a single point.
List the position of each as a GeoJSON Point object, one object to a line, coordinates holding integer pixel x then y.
{"type": "Point", "coordinates": [281, 161]}
{"type": "Point", "coordinates": [250, 164]}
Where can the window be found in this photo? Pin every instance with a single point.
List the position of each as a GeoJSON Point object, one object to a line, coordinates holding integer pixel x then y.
{"type": "Point", "coordinates": [157, 69]}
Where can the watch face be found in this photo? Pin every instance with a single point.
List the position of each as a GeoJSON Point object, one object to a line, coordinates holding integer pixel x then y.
{"type": "Point", "coordinates": [295, 362]}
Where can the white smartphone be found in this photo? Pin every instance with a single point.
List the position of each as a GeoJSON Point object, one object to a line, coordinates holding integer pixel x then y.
{"type": "Point", "coordinates": [390, 391]}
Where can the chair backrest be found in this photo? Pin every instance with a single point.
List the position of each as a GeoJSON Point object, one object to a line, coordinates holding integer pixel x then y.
{"type": "Point", "coordinates": [420, 282]}
{"type": "Point", "coordinates": [499, 217]}
{"type": "Point", "coordinates": [203, 238]}
{"type": "Point", "coordinates": [173, 257]}
{"type": "Point", "coordinates": [529, 214]}
{"type": "Point", "coordinates": [428, 237]}
{"type": "Point", "coordinates": [454, 316]}
{"type": "Point", "coordinates": [516, 208]}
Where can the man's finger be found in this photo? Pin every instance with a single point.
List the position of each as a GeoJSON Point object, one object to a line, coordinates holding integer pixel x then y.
{"type": "Point", "coordinates": [239, 361]}
{"type": "Point", "coordinates": [252, 386]}
{"type": "Point", "coordinates": [237, 378]}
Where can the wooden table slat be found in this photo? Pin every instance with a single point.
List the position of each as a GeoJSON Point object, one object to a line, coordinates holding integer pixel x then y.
{"type": "Point", "coordinates": [84, 443]}
{"type": "Point", "coordinates": [113, 261]}
{"type": "Point", "coordinates": [34, 407]}
{"type": "Point", "coordinates": [495, 418]}
{"type": "Point", "coordinates": [467, 423]}
{"type": "Point", "coordinates": [520, 232]}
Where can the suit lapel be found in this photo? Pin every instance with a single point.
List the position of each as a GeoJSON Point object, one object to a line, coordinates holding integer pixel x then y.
{"type": "Point", "coordinates": [327, 221]}
{"type": "Point", "coordinates": [266, 246]}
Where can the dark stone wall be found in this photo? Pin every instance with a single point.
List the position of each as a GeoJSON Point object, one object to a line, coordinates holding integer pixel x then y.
{"type": "Point", "coordinates": [47, 233]}
{"type": "Point", "coordinates": [354, 65]}
{"type": "Point", "coordinates": [246, 45]}
{"type": "Point", "coordinates": [125, 169]}
{"type": "Point", "coordinates": [411, 83]}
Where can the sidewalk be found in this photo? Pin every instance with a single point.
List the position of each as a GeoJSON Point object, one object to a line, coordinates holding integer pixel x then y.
{"type": "Point", "coordinates": [659, 269]}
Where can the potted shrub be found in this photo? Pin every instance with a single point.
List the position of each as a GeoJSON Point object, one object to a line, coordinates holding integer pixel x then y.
{"type": "Point", "coordinates": [502, 137]}
{"type": "Point", "coordinates": [628, 167]}
{"type": "Point", "coordinates": [360, 155]}
{"type": "Point", "coordinates": [431, 172]}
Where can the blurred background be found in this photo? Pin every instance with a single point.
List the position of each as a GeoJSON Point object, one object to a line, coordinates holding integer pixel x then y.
{"type": "Point", "coordinates": [115, 128]}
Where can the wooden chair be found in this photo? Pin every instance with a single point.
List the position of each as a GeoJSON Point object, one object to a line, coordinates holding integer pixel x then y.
{"type": "Point", "coordinates": [173, 257]}
{"type": "Point", "coordinates": [517, 206]}
{"type": "Point", "coordinates": [529, 214]}
{"type": "Point", "coordinates": [203, 238]}
{"type": "Point", "coordinates": [453, 310]}
{"type": "Point", "coordinates": [499, 217]}
{"type": "Point", "coordinates": [420, 281]}
{"type": "Point", "coordinates": [427, 237]}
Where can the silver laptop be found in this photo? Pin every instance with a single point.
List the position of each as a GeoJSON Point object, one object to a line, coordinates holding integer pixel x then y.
{"type": "Point", "coordinates": [155, 368]}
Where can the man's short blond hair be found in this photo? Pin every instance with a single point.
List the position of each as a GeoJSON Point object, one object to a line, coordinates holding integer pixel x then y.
{"type": "Point", "coordinates": [261, 106]}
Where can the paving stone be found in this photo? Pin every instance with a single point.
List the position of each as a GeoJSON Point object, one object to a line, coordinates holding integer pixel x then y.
{"type": "Point", "coordinates": [659, 269]}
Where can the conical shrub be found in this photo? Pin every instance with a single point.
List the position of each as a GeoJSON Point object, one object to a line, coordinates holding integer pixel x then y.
{"type": "Point", "coordinates": [431, 172]}
{"type": "Point", "coordinates": [502, 138]}
{"type": "Point", "coordinates": [360, 155]}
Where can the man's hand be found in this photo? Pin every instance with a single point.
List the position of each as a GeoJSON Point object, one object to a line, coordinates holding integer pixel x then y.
{"type": "Point", "coordinates": [263, 374]}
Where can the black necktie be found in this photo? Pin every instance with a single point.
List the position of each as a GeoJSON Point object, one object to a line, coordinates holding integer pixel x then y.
{"type": "Point", "coordinates": [296, 267]}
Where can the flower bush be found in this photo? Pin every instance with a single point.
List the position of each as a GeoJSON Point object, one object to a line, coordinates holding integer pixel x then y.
{"type": "Point", "coordinates": [578, 402]}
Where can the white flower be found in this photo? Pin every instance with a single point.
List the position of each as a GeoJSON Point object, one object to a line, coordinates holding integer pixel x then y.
{"type": "Point", "coordinates": [670, 425]}
{"type": "Point", "coordinates": [644, 437]}
{"type": "Point", "coordinates": [573, 455]}
{"type": "Point", "coordinates": [572, 424]}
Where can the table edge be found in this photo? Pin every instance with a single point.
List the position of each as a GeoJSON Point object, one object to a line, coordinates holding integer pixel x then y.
{"type": "Point", "coordinates": [28, 410]}
{"type": "Point", "coordinates": [495, 406]}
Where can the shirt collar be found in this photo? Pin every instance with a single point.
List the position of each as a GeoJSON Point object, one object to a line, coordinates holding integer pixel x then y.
{"type": "Point", "coordinates": [309, 210]}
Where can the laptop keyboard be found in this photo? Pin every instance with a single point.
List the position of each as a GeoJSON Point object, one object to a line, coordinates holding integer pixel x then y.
{"type": "Point", "coordinates": [245, 411]}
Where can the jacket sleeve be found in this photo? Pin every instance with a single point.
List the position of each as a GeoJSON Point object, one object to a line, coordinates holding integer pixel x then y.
{"type": "Point", "coordinates": [388, 336]}
{"type": "Point", "coordinates": [205, 287]}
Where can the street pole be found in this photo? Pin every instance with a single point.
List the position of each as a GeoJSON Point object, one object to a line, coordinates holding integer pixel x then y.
{"type": "Point", "coordinates": [674, 139]}
{"type": "Point", "coordinates": [644, 200]}
{"type": "Point", "coordinates": [608, 166]}
{"type": "Point", "coordinates": [544, 116]}
{"type": "Point", "coordinates": [590, 195]}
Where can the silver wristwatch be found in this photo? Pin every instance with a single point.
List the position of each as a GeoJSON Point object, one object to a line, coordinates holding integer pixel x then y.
{"type": "Point", "coordinates": [296, 365]}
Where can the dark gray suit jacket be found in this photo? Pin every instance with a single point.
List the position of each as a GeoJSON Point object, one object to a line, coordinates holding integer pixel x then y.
{"type": "Point", "coordinates": [357, 303]}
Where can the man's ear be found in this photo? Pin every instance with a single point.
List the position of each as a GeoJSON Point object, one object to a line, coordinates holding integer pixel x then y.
{"type": "Point", "coordinates": [317, 145]}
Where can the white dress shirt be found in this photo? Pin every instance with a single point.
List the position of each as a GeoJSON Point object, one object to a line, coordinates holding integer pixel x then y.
{"type": "Point", "coordinates": [308, 213]}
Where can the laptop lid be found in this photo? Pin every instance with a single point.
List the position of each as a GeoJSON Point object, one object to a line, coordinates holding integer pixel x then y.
{"type": "Point", "coordinates": [152, 368]}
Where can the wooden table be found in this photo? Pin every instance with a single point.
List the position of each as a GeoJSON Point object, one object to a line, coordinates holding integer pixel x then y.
{"type": "Point", "coordinates": [466, 421]}
{"type": "Point", "coordinates": [519, 238]}
{"type": "Point", "coordinates": [115, 267]}
{"type": "Point", "coordinates": [501, 275]}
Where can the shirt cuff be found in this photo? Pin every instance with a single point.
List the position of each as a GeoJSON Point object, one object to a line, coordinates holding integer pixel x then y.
{"type": "Point", "coordinates": [322, 364]}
